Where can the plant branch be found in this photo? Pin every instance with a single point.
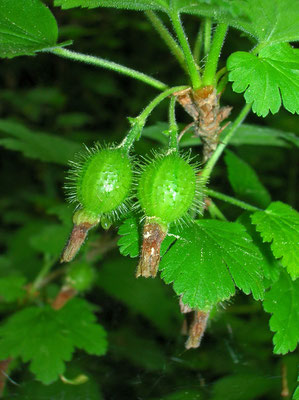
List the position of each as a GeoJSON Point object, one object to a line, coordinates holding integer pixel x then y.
{"type": "Point", "coordinates": [191, 64]}
{"type": "Point", "coordinates": [139, 122]}
{"type": "Point", "coordinates": [173, 126]}
{"type": "Point", "coordinates": [207, 36]}
{"type": "Point", "coordinates": [48, 264]}
{"type": "Point", "coordinates": [206, 172]}
{"type": "Point", "coordinates": [100, 62]}
{"type": "Point", "coordinates": [167, 37]}
{"type": "Point", "coordinates": [231, 200]}
{"type": "Point", "coordinates": [214, 53]}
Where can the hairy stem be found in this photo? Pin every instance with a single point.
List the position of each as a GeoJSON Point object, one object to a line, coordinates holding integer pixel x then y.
{"type": "Point", "coordinates": [191, 64]}
{"type": "Point", "coordinates": [139, 122]}
{"type": "Point", "coordinates": [173, 127]}
{"type": "Point", "coordinates": [48, 264]}
{"type": "Point", "coordinates": [100, 62]}
{"type": "Point", "coordinates": [167, 37]}
{"type": "Point", "coordinates": [207, 36]}
{"type": "Point", "coordinates": [206, 172]}
{"type": "Point", "coordinates": [231, 200]}
{"type": "Point", "coordinates": [214, 53]}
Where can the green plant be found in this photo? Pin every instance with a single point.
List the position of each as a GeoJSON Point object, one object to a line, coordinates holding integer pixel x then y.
{"type": "Point", "coordinates": [231, 243]}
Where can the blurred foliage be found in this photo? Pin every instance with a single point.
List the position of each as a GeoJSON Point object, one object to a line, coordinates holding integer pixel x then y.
{"type": "Point", "coordinates": [43, 97]}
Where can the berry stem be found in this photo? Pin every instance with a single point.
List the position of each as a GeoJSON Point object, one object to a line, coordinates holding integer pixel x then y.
{"type": "Point", "coordinates": [139, 122]}
{"type": "Point", "coordinates": [101, 62]}
{"type": "Point", "coordinates": [231, 200]}
{"type": "Point", "coordinates": [191, 64]}
{"type": "Point", "coordinates": [206, 172]}
{"type": "Point", "coordinates": [173, 127]}
{"type": "Point", "coordinates": [214, 53]}
{"type": "Point", "coordinates": [167, 37]}
{"type": "Point", "coordinates": [207, 36]}
{"type": "Point", "coordinates": [48, 264]}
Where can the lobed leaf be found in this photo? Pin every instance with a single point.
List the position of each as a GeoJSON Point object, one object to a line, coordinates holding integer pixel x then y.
{"type": "Point", "coordinates": [47, 338]}
{"type": "Point", "coordinates": [279, 224]}
{"type": "Point", "coordinates": [245, 181]}
{"type": "Point", "coordinates": [26, 27]}
{"type": "Point", "coordinates": [209, 260]}
{"type": "Point", "coordinates": [269, 80]}
{"type": "Point", "coordinates": [282, 301]}
{"type": "Point", "coordinates": [129, 242]}
{"type": "Point", "coordinates": [269, 21]}
{"type": "Point", "coordinates": [270, 265]}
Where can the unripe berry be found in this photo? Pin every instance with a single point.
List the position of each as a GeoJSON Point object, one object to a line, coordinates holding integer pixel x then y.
{"type": "Point", "coordinates": [166, 188]}
{"type": "Point", "coordinates": [104, 181]}
{"type": "Point", "coordinates": [80, 276]}
{"type": "Point", "coordinates": [166, 191]}
{"type": "Point", "coordinates": [100, 183]}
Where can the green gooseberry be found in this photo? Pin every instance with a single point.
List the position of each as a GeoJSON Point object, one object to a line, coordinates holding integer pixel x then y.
{"type": "Point", "coordinates": [80, 276]}
{"type": "Point", "coordinates": [102, 181]}
{"type": "Point", "coordinates": [167, 188]}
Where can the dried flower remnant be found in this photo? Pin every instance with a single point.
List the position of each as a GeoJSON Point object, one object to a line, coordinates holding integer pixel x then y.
{"type": "Point", "coordinates": [153, 236]}
{"type": "Point", "coordinates": [197, 329]}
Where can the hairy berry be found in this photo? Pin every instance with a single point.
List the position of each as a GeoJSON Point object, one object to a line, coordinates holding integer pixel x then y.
{"type": "Point", "coordinates": [100, 183]}
{"type": "Point", "coordinates": [167, 188]}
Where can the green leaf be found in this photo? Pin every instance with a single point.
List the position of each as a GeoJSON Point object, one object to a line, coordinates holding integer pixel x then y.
{"type": "Point", "coordinates": [296, 393]}
{"type": "Point", "coordinates": [50, 239]}
{"type": "Point", "coordinates": [268, 80]}
{"type": "Point", "coordinates": [248, 134]}
{"type": "Point", "coordinates": [209, 259]}
{"type": "Point", "coordinates": [245, 386]}
{"type": "Point", "coordinates": [47, 338]}
{"type": "Point", "coordinates": [270, 265]}
{"type": "Point", "coordinates": [12, 288]}
{"type": "Point", "coordinates": [148, 297]}
{"type": "Point", "coordinates": [245, 181]}
{"type": "Point", "coordinates": [282, 301]}
{"type": "Point", "coordinates": [34, 390]}
{"type": "Point", "coordinates": [279, 224]}
{"type": "Point", "coordinates": [26, 26]}
{"type": "Point", "coordinates": [129, 243]}
{"type": "Point", "coordinates": [37, 145]}
{"type": "Point", "coordinates": [269, 21]}
{"type": "Point", "coordinates": [138, 5]}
